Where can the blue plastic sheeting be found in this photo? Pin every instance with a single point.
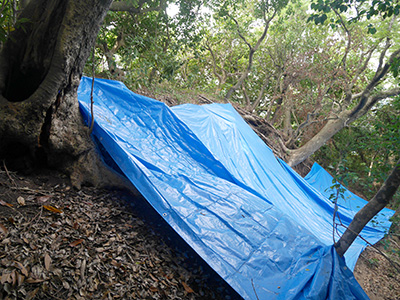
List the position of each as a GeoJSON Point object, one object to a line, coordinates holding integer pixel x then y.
{"type": "Point", "coordinates": [322, 181]}
{"type": "Point", "coordinates": [267, 233]}
{"type": "Point", "coordinates": [254, 167]}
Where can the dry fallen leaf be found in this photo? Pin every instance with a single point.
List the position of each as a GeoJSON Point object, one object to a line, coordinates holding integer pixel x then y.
{"type": "Point", "coordinates": [43, 199]}
{"type": "Point", "coordinates": [115, 263]}
{"type": "Point", "coordinates": [52, 209]}
{"type": "Point", "coordinates": [14, 277]}
{"type": "Point", "coordinates": [34, 280]}
{"type": "Point", "coordinates": [3, 229]}
{"type": "Point", "coordinates": [152, 277]}
{"type": "Point", "coordinates": [47, 261]}
{"type": "Point", "coordinates": [21, 201]}
{"type": "Point", "coordinates": [20, 266]}
{"type": "Point", "coordinates": [4, 277]}
{"type": "Point", "coordinates": [32, 294]}
{"type": "Point", "coordinates": [66, 285]}
{"type": "Point", "coordinates": [153, 289]}
{"type": "Point", "coordinates": [76, 243]}
{"type": "Point", "coordinates": [4, 203]}
{"type": "Point", "coordinates": [20, 279]}
{"type": "Point", "coordinates": [187, 288]}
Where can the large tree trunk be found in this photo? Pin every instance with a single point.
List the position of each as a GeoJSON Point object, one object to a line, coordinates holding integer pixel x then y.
{"type": "Point", "coordinates": [40, 69]}
{"type": "Point", "coordinates": [374, 206]}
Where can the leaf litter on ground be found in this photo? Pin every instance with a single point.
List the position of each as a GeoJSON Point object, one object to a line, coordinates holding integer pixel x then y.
{"type": "Point", "coordinates": [59, 243]}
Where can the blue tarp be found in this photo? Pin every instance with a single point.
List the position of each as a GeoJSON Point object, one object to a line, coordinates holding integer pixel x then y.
{"type": "Point", "coordinates": [350, 203]}
{"type": "Point", "coordinates": [262, 227]}
{"type": "Point", "coordinates": [321, 180]}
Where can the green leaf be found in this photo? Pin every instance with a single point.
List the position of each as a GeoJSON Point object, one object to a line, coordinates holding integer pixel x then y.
{"type": "Point", "coordinates": [395, 67]}
{"type": "Point", "coordinates": [372, 30]}
{"type": "Point", "coordinates": [343, 8]}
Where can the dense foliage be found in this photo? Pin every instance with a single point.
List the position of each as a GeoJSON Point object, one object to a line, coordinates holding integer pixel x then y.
{"type": "Point", "coordinates": [298, 64]}
{"type": "Point", "coordinates": [362, 155]}
{"type": "Point", "coordinates": [9, 10]}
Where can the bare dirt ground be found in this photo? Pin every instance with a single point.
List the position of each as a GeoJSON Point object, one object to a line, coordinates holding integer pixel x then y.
{"type": "Point", "coordinates": [60, 243]}
{"type": "Point", "coordinates": [376, 275]}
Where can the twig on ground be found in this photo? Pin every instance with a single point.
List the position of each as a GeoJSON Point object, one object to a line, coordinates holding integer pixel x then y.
{"type": "Point", "coordinates": [38, 216]}
{"type": "Point", "coordinates": [8, 174]}
{"type": "Point", "coordinates": [32, 192]}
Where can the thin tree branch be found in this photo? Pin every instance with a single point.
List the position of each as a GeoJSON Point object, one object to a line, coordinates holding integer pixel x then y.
{"type": "Point", "coordinates": [261, 92]}
{"type": "Point", "coordinates": [374, 206]}
{"type": "Point", "coordinates": [252, 50]}
{"type": "Point", "coordinates": [348, 37]}
{"type": "Point", "coordinates": [363, 66]}
{"type": "Point", "coordinates": [214, 64]}
{"type": "Point", "coordinates": [246, 97]}
{"type": "Point", "coordinates": [385, 49]}
{"type": "Point", "coordinates": [239, 33]}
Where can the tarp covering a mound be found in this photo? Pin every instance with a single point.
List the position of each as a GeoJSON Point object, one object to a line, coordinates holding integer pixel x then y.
{"type": "Point", "coordinates": [320, 179]}
{"type": "Point", "coordinates": [350, 203]}
{"type": "Point", "coordinates": [258, 224]}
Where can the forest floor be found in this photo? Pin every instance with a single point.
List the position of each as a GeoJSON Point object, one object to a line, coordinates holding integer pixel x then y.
{"type": "Point", "coordinates": [376, 275]}
{"type": "Point", "coordinates": [60, 243]}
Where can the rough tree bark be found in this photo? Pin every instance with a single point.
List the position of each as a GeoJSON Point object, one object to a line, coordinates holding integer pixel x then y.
{"type": "Point", "coordinates": [40, 69]}
{"type": "Point", "coordinates": [374, 206]}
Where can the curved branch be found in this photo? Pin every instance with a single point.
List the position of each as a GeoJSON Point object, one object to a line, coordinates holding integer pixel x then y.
{"type": "Point", "coordinates": [239, 33]}
{"type": "Point", "coordinates": [385, 94]}
{"type": "Point", "coordinates": [252, 50]}
{"type": "Point", "coordinates": [208, 47]}
{"type": "Point", "coordinates": [374, 206]}
{"type": "Point", "coordinates": [371, 101]}
{"type": "Point", "coordinates": [384, 51]}
{"type": "Point", "coordinates": [367, 101]}
{"type": "Point", "coordinates": [362, 67]}
{"type": "Point", "coordinates": [348, 37]}
{"type": "Point", "coordinates": [261, 92]}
